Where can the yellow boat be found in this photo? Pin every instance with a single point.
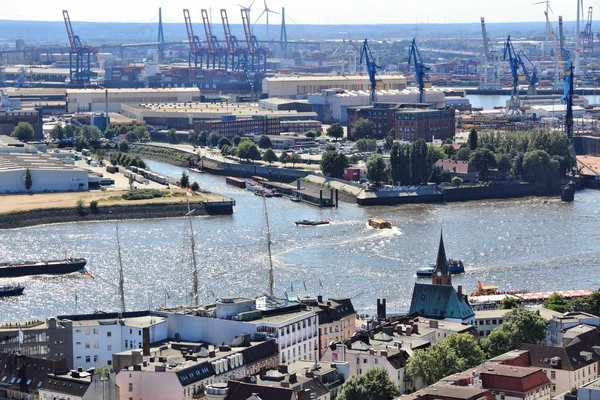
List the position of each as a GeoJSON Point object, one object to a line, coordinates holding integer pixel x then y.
{"type": "Point", "coordinates": [379, 223]}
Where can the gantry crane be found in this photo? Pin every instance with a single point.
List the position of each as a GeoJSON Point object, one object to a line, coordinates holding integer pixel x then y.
{"type": "Point", "coordinates": [238, 55]}
{"type": "Point", "coordinates": [367, 56]}
{"type": "Point", "coordinates": [515, 63]}
{"type": "Point", "coordinates": [420, 69]}
{"type": "Point", "coordinates": [79, 55]}
{"type": "Point", "coordinates": [257, 54]}
{"type": "Point", "coordinates": [217, 55]}
{"type": "Point", "coordinates": [197, 52]}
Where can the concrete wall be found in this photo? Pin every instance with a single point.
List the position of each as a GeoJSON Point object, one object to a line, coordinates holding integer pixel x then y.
{"type": "Point", "coordinates": [149, 385]}
{"type": "Point", "coordinates": [13, 181]}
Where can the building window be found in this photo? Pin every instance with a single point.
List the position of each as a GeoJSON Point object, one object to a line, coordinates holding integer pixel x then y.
{"type": "Point", "coordinates": [87, 345]}
{"type": "Point", "coordinates": [553, 387]}
{"type": "Point", "coordinates": [126, 343]}
{"type": "Point", "coordinates": [95, 331]}
{"type": "Point", "coordinates": [108, 334]}
{"type": "Point", "coordinates": [87, 331]}
{"type": "Point", "coordinates": [109, 347]}
{"type": "Point", "coordinates": [87, 359]}
{"type": "Point", "coordinates": [553, 375]}
{"type": "Point", "coordinates": [95, 358]}
{"type": "Point", "coordinates": [501, 395]}
{"type": "Point", "coordinates": [131, 387]}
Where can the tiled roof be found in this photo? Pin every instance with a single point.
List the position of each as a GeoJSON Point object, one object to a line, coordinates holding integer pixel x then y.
{"type": "Point", "coordinates": [439, 301]}
{"type": "Point", "coordinates": [65, 385]}
{"type": "Point", "coordinates": [457, 167]}
{"type": "Point", "coordinates": [507, 377]}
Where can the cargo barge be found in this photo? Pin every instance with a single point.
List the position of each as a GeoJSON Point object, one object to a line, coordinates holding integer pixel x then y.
{"type": "Point", "coordinates": [29, 268]}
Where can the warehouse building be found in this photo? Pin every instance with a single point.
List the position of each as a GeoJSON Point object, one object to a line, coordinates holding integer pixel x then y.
{"type": "Point", "coordinates": [299, 87]}
{"type": "Point", "coordinates": [332, 105]}
{"type": "Point", "coordinates": [94, 100]}
{"type": "Point", "coordinates": [47, 174]}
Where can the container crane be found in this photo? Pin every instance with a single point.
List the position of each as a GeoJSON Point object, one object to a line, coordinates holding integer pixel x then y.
{"type": "Point", "coordinates": [238, 55]}
{"type": "Point", "coordinates": [217, 54]}
{"type": "Point", "coordinates": [196, 51]}
{"type": "Point", "coordinates": [420, 69]}
{"type": "Point", "coordinates": [587, 36]}
{"type": "Point", "coordinates": [79, 55]}
{"type": "Point", "coordinates": [515, 63]}
{"type": "Point", "coordinates": [367, 56]}
{"type": "Point", "coordinates": [257, 54]}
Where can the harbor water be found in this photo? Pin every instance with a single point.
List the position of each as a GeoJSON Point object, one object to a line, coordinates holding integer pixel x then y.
{"type": "Point", "coordinates": [532, 244]}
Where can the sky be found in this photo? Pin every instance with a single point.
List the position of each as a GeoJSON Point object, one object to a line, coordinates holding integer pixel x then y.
{"type": "Point", "coordinates": [298, 12]}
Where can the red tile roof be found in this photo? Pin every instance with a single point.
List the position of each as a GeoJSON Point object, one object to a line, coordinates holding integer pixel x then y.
{"type": "Point", "coordinates": [458, 167]}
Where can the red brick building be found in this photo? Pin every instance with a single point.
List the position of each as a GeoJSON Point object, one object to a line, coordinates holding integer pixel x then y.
{"type": "Point", "coordinates": [415, 124]}
{"type": "Point", "coordinates": [507, 381]}
{"type": "Point", "coordinates": [229, 127]}
{"type": "Point", "coordinates": [381, 116]}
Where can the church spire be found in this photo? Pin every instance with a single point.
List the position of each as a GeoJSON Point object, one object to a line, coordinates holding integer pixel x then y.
{"type": "Point", "coordinates": [441, 274]}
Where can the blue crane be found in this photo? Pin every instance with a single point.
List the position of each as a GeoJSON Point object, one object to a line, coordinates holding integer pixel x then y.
{"type": "Point", "coordinates": [79, 55]}
{"type": "Point", "coordinates": [516, 67]}
{"type": "Point", "coordinates": [421, 69]}
{"type": "Point", "coordinates": [568, 100]}
{"type": "Point", "coordinates": [531, 77]}
{"type": "Point", "coordinates": [367, 56]}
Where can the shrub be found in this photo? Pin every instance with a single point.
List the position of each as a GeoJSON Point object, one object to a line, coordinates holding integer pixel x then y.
{"type": "Point", "coordinates": [94, 207]}
{"type": "Point", "coordinates": [142, 194]}
{"type": "Point", "coordinates": [80, 207]}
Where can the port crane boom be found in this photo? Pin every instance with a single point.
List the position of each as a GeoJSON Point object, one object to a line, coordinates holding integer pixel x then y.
{"type": "Point", "coordinates": [367, 56]}
{"type": "Point", "coordinates": [237, 54]}
{"type": "Point", "coordinates": [196, 50]}
{"type": "Point", "coordinates": [515, 63]}
{"type": "Point", "coordinates": [421, 70]}
{"type": "Point", "coordinates": [79, 55]}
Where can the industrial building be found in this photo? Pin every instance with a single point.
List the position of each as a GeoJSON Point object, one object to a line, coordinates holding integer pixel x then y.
{"type": "Point", "coordinates": [231, 126]}
{"type": "Point", "coordinates": [331, 105]}
{"type": "Point", "coordinates": [47, 174]}
{"type": "Point", "coordinates": [414, 124]}
{"type": "Point", "coordinates": [95, 100]}
{"type": "Point", "coordinates": [183, 115]}
{"type": "Point", "coordinates": [299, 87]}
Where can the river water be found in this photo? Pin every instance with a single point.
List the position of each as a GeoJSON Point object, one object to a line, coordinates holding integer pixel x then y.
{"type": "Point", "coordinates": [533, 243]}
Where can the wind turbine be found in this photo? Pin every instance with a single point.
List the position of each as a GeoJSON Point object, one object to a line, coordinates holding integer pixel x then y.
{"type": "Point", "coordinates": [548, 8]}
{"type": "Point", "coordinates": [248, 9]}
{"type": "Point", "coordinates": [266, 11]}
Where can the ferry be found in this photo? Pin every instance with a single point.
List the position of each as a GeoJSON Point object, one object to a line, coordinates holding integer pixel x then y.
{"type": "Point", "coordinates": [456, 267]}
{"type": "Point", "coordinates": [379, 223]}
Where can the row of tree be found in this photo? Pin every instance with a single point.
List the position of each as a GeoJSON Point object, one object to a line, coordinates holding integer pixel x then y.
{"type": "Point", "coordinates": [127, 160]}
{"type": "Point", "coordinates": [589, 304]}
{"type": "Point", "coordinates": [460, 352]}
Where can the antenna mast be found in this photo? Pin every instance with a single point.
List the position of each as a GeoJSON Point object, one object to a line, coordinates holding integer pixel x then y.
{"type": "Point", "coordinates": [121, 276]}
{"type": "Point", "coordinates": [271, 279]}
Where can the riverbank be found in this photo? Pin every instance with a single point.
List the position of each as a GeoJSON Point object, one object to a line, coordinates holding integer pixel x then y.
{"type": "Point", "coordinates": [170, 155]}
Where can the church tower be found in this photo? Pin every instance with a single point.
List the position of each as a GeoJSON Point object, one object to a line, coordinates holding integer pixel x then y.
{"type": "Point", "coordinates": [441, 274]}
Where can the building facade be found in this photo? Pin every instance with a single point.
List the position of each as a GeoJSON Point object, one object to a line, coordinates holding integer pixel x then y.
{"type": "Point", "coordinates": [231, 126]}
{"type": "Point", "coordinates": [414, 124]}
{"type": "Point", "coordinates": [44, 339]}
{"type": "Point", "coordinates": [9, 119]}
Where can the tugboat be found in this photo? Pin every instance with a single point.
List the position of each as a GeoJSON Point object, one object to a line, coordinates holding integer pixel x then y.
{"type": "Point", "coordinates": [309, 222]}
{"type": "Point", "coordinates": [455, 267]}
{"type": "Point", "coordinates": [11, 290]}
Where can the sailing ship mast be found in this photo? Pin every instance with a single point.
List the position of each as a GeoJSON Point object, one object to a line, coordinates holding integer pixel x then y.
{"type": "Point", "coordinates": [195, 265]}
{"type": "Point", "coordinates": [121, 276]}
{"type": "Point", "coordinates": [271, 279]}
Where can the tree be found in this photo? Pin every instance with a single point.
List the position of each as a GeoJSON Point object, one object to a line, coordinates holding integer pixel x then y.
{"type": "Point", "coordinates": [496, 343]}
{"type": "Point", "coordinates": [172, 135]}
{"type": "Point", "coordinates": [457, 181]}
{"type": "Point", "coordinates": [463, 154]}
{"type": "Point", "coordinates": [195, 186]}
{"type": "Point", "coordinates": [94, 206]}
{"type": "Point", "coordinates": [418, 162]}
{"type": "Point", "coordinates": [333, 164]}
{"type": "Point", "coordinates": [503, 163]}
{"type": "Point", "coordinates": [557, 303]}
{"type": "Point", "coordinates": [335, 131]}
{"type": "Point", "coordinates": [389, 142]}
{"type": "Point", "coordinates": [283, 158]}
{"type": "Point", "coordinates": [310, 134]}
{"type": "Point", "coordinates": [225, 150]}
{"type": "Point", "coordinates": [236, 140]}
{"type": "Point", "coordinates": [375, 384]}
{"type": "Point", "coordinates": [483, 160]}
{"type": "Point", "coordinates": [509, 303]}
{"type": "Point", "coordinates": [362, 128]}
{"type": "Point", "coordinates": [213, 139]}
{"type": "Point", "coordinates": [377, 170]}
{"type": "Point", "coordinates": [202, 138]}
{"type": "Point", "coordinates": [294, 158]}
{"type": "Point", "coordinates": [269, 156]}
{"type": "Point", "coordinates": [366, 145]}
{"type": "Point", "coordinates": [472, 140]}
{"type": "Point", "coordinates": [23, 131]}
{"type": "Point", "coordinates": [247, 150]}
{"type": "Point", "coordinates": [131, 182]}
{"type": "Point", "coordinates": [436, 175]}
{"type": "Point", "coordinates": [223, 142]}
{"type": "Point", "coordinates": [524, 326]}
{"type": "Point", "coordinates": [400, 163]}
{"type": "Point", "coordinates": [184, 181]}
{"type": "Point", "coordinates": [70, 131]}
{"type": "Point", "coordinates": [538, 167]}
{"type": "Point", "coordinates": [124, 147]}
{"type": "Point", "coordinates": [80, 207]}
{"type": "Point", "coordinates": [454, 354]}
{"type": "Point", "coordinates": [57, 132]}
{"type": "Point", "coordinates": [28, 181]}
{"type": "Point", "coordinates": [264, 142]}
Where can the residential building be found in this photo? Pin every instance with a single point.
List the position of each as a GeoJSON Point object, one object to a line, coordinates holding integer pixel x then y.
{"type": "Point", "coordinates": [291, 324]}
{"type": "Point", "coordinates": [94, 338]}
{"type": "Point", "coordinates": [559, 324]}
{"type": "Point", "coordinates": [182, 370]}
{"type": "Point", "coordinates": [440, 330]}
{"type": "Point", "coordinates": [381, 115]}
{"type": "Point", "coordinates": [21, 376]}
{"type": "Point", "coordinates": [449, 392]}
{"type": "Point", "coordinates": [78, 385]}
{"type": "Point", "coordinates": [439, 300]}
{"type": "Point", "coordinates": [463, 169]}
{"type": "Point", "coordinates": [236, 390]}
{"type": "Point", "coordinates": [43, 339]}
{"type": "Point", "coordinates": [337, 320]}
{"type": "Point", "coordinates": [97, 100]}
{"type": "Point", "coordinates": [414, 124]}
{"type": "Point", "coordinates": [589, 391]}
{"type": "Point", "coordinates": [488, 320]}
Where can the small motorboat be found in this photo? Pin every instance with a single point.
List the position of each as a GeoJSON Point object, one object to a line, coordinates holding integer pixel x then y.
{"type": "Point", "coordinates": [456, 267]}
{"type": "Point", "coordinates": [11, 290]}
{"type": "Point", "coordinates": [379, 223]}
{"type": "Point", "coordinates": [310, 222]}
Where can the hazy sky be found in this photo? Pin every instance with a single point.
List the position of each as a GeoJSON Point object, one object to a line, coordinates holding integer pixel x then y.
{"type": "Point", "coordinates": [300, 12]}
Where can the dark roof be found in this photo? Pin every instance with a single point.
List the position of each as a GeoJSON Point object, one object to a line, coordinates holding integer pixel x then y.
{"type": "Point", "coordinates": [579, 353]}
{"type": "Point", "coordinates": [399, 359]}
{"type": "Point", "coordinates": [65, 384]}
{"type": "Point", "coordinates": [26, 374]}
{"type": "Point", "coordinates": [331, 310]}
{"type": "Point", "coordinates": [259, 352]}
{"type": "Point", "coordinates": [441, 264]}
{"type": "Point", "coordinates": [242, 391]}
{"type": "Point", "coordinates": [448, 392]}
{"type": "Point", "coordinates": [440, 301]}
{"type": "Point", "coordinates": [195, 373]}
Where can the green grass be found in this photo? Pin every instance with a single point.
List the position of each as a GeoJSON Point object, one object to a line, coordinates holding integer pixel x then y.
{"type": "Point", "coordinates": [143, 194]}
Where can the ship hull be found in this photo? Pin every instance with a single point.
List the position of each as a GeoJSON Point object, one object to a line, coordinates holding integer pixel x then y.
{"type": "Point", "coordinates": [57, 267]}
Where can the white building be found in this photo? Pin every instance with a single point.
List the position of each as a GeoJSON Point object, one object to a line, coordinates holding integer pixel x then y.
{"type": "Point", "coordinates": [47, 174]}
{"type": "Point", "coordinates": [488, 320]}
{"type": "Point", "coordinates": [292, 87]}
{"type": "Point", "coordinates": [95, 338]}
{"type": "Point", "coordinates": [294, 328]}
{"type": "Point", "coordinates": [332, 104]}
{"type": "Point", "coordinates": [95, 100]}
